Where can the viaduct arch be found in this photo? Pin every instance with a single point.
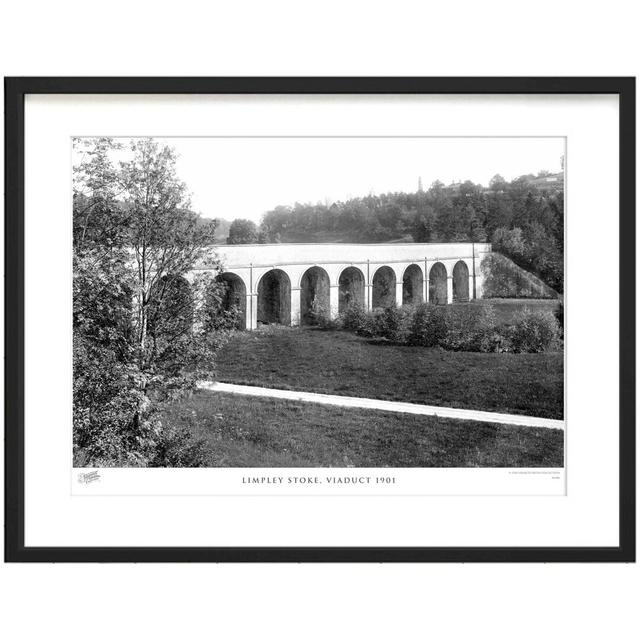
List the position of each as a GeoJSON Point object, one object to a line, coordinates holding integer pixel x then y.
{"type": "Point", "coordinates": [292, 284]}
{"type": "Point", "coordinates": [235, 296]}
{"type": "Point", "coordinates": [315, 297]}
{"type": "Point", "coordinates": [274, 298]}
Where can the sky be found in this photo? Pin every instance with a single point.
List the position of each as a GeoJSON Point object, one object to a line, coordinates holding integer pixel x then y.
{"type": "Point", "coordinates": [246, 177]}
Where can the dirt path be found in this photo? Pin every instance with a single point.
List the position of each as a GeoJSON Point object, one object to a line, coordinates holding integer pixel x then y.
{"type": "Point", "coordinates": [384, 405]}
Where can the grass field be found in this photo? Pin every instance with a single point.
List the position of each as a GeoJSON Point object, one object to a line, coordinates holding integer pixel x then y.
{"type": "Point", "coordinates": [262, 432]}
{"type": "Point", "coordinates": [505, 308]}
{"type": "Point", "coordinates": [342, 363]}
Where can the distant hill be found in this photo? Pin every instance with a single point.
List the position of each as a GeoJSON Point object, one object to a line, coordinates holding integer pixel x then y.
{"type": "Point", "coordinates": [523, 218]}
{"type": "Point", "coordinates": [548, 181]}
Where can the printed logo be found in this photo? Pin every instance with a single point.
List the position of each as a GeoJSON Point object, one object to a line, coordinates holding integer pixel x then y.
{"type": "Point", "coordinates": [88, 477]}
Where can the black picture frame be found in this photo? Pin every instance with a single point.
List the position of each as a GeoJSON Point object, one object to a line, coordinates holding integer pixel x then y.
{"type": "Point", "coordinates": [15, 91]}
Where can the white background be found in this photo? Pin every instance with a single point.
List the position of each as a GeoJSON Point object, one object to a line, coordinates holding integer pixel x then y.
{"type": "Point", "coordinates": [586, 516]}
{"type": "Point", "coordinates": [401, 38]}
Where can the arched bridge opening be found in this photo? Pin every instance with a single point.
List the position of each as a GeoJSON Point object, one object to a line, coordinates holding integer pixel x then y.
{"type": "Point", "coordinates": [412, 285]}
{"type": "Point", "coordinates": [234, 297]}
{"type": "Point", "coordinates": [438, 284]}
{"type": "Point", "coordinates": [274, 298]}
{"type": "Point", "coordinates": [314, 296]}
{"type": "Point", "coordinates": [384, 288]}
{"type": "Point", "coordinates": [351, 285]}
{"type": "Point", "coordinates": [460, 282]}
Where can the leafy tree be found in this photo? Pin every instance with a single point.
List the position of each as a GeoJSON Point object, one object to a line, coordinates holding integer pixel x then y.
{"type": "Point", "coordinates": [424, 225]}
{"type": "Point", "coordinates": [509, 241]}
{"type": "Point", "coordinates": [139, 336]}
{"type": "Point", "coordinates": [498, 183]}
{"type": "Point", "coordinates": [243, 232]}
{"type": "Point", "coordinates": [99, 220]}
{"type": "Point", "coordinates": [164, 238]}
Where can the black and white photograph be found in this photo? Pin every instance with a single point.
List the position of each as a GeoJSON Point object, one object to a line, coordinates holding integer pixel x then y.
{"type": "Point", "coordinates": [263, 323]}
{"type": "Point", "coordinates": [320, 320]}
{"type": "Point", "coordinates": [318, 302]}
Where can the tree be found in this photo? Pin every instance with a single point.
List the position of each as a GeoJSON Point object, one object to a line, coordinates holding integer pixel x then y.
{"type": "Point", "coordinates": [509, 241]}
{"type": "Point", "coordinates": [476, 231]}
{"type": "Point", "coordinates": [139, 337]}
{"type": "Point", "coordinates": [99, 221]}
{"type": "Point", "coordinates": [243, 232]}
{"type": "Point", "coordinates": [556, 204]}
{"type": "Point", "coordinates": [499, 211]}
{"type": "Point", "coordinates": [165, 240]}
{"type": "Point", "coordinates": [424, 225]}
{"type": "Point", "coordinates": [498, 183]}
{"type": "Point", "coordinates": [106, 393]}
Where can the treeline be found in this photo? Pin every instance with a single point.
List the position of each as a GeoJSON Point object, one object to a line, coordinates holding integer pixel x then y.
{"type": "Point", "coordinates": [523, 218]}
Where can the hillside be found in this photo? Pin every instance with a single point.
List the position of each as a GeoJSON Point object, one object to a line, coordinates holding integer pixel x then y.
{"type": "Point", "coordinates": [523, 219]}
{"type": "Point", "coordinates": [503, 278]}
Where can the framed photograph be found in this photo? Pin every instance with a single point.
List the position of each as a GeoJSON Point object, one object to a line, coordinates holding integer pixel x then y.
{"type": "Point", "coordinates": [320, 319]}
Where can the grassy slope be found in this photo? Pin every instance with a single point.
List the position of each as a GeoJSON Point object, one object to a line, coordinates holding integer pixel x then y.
{"type": "Point", "coordinates": [344, 364]}
{"type": "Point", "coordinates": [504, 277]}
{"type": "Point", "coordinates": [505, 308]}
{"type": "Point", "coordinates": [261, 432]}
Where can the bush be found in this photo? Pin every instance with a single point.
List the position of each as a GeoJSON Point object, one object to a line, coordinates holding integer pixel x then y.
{"type": "Point", "coordinates": [490, 336]}
{"type": "Point", "coordinates": [105, 401]}
{"type": "Point", "coordinates": [462, 328]}
{"type": "Point", "coordinates": [176, 447]}
{"type": "Point", "coordinates": [326, 323]}
{"type": "Point", "coordinates": [317, 313]}
{"type": "Point", "coordinates": [115, 423]}
{"type": "Point", "coordinates": [354, 318]}
{"type": "Point", "coordinates": [534, 332]}
{"type": "Point", "coordinates": [457, 328]}
{"type": "Point", "coordinates": [428, 325]}
{"type": "Point", "coordinates": [389, 323]}
{"type": "Point", "coordinates": [495, 342]}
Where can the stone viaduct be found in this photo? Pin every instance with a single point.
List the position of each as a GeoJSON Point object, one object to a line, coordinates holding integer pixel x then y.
{"type": "Point", "coordinates": [286, 283]}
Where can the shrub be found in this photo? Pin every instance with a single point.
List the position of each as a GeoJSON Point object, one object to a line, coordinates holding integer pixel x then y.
{"type": "Point", "coordinates": [457, 328]}
{"type": "Point", "coordinates": [490, 336]}
{"type": "Point", "coordinates": [115, 423]}
{"type": "Point", "coordinates": [176, 447]}
{"type": "Point", "coordinates": [216, 315]}
{"type": "Point", "coordinates": [105, 401]}
{"type": "Point", "coordinates": [473, 328]}
{"type": "Point", "coordinates": [354, 318]}
{"type": "Point", "coordinates": [462, 328]}
{"type": "Point", "coordinates": [317, 313]}
{"type": "Point", "coordinates": [495, 342]}
{"type": "Point", "coordinates": [389, 323]}
{"type": "Point", "coordinates": [325, 322]}
{"type": "Point", "coordinates": [534, 331]}
{"type": "Point", "coordinates": [428, 325]}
